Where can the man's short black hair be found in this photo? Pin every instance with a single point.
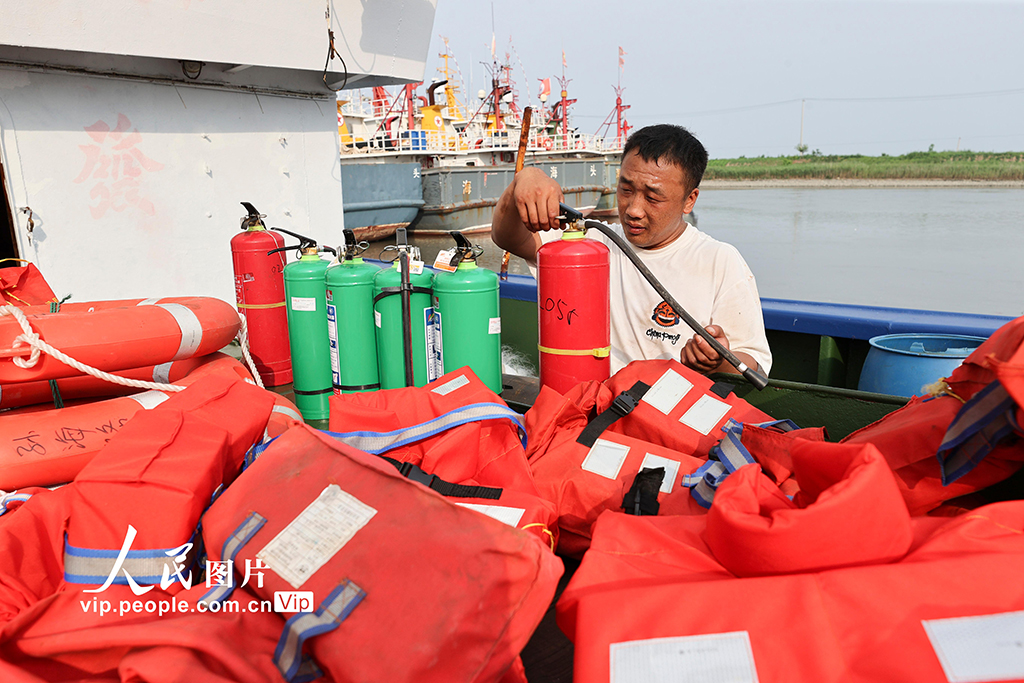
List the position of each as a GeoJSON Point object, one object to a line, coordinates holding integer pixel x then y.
{"type": "Point", "coordinates": [672, 143]}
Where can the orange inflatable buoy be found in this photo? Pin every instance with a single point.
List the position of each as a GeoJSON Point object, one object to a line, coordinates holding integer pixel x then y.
{"type": "Point", "coordinates": [44, 447]}
{"type": "Point", "coordinates": [87, 386]}
{"type": "Point", "coordinates": [114, 335]}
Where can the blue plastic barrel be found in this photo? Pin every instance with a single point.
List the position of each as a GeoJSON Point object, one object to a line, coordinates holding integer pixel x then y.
{"type": "Point", "coordinates": [900, 364]}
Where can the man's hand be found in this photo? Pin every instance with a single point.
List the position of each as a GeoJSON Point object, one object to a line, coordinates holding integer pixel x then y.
{"type": "Point", "coordinates": [536, 198]}
{"type": "Point", "coordinates": [528, 205]}
{"type": "Point", "coordinates": [698, 354]}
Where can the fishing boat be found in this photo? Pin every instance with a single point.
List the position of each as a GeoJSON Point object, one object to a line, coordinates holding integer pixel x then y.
{"type": "Point", "coordinates": [467, 158]}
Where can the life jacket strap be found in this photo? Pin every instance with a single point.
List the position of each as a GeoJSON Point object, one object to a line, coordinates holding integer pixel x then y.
{"type": "Point", "coordinates": [234, 543]}
{"type": "Point", "coordinates": [622, 406]}
{"type": "Point", "coordinates": [305, 625]}
{"type": "Point", "coordinates": [146, 567]}
{"type": "Point", "coordinates": [382, 442]}
{"type": "Point", "coordinates": [727, 456]}
{"type": "Point", "coordinates": [445, 488]}
{"type": "Point", "coordinates": [981, 423]}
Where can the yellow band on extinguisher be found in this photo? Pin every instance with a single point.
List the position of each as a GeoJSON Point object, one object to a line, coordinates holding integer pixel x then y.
{"type": "Point", "coordinates": [602, 352]}
{"type": "Point", "coordinates": [257, 306]}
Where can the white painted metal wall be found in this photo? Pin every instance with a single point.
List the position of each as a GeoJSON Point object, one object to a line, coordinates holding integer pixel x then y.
{"type": "Point", "coordinates": [381, 41]}
{"type": "Point", "coordinates": [135, 187]}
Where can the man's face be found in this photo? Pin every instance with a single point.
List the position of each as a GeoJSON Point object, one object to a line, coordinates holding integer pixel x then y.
{"type": "Point", "coordinates": [652, 197]}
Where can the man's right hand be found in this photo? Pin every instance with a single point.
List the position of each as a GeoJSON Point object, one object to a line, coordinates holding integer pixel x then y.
{"type": "Point", "coordinates": [527, 206]}
{"type": "Point", "coordinates": [536, 198]}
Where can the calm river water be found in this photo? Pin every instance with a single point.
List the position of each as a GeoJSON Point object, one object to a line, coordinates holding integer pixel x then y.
{"type": "Point", "coordinates": [943, 249]}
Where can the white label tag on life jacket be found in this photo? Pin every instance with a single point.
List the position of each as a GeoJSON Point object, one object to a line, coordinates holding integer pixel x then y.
{"type": "Point", "coordinates": [443, 261]}
{"type": "Point", "coordinates": [666, 393]}
{"type": "Point", "coordinates": [705, 414]}
{"type": "Point", "coordinates": [507, 515]}
{"type": "Point", "coordinates": [712, 657]}
{"type": "Point", "coordinates": [451, 385]}
{"type": "Point", "coordinates": [605, 458]}
{"type": "Point", "coordinates": [983, 648]}
{"type": "Point", "coordinates": [316, 535]}
{"type": "Point", "coordinates": [671, 469]}
{"type": "Point", "coordinates": [304, 303]}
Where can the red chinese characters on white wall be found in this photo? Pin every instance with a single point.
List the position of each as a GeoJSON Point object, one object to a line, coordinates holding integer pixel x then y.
{"type": "Point", "coordinates": [116, 164]}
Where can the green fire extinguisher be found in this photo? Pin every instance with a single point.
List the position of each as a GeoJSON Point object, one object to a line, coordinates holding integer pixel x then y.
{"type": "Point", "coordinates": [407, 353]}
{"type": "Point", "coordinates": [350, 321]}
{"type": "Point", "coordinates": [467, 311]}
{"type": "Point", "coordinates": [306, 304]}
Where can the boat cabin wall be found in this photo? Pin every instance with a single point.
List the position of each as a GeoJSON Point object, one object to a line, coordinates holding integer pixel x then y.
{"type": "Point", "coordinates": [134, 187]}
{"type": "Point", "coordinates": [241, 43]}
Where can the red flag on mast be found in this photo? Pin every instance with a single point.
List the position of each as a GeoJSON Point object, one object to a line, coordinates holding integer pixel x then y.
{"type": "Point", "coordinates": [545, 86]}
{"type": "Point", "coordinates": [564, 65]}
{"type": "Point", "coordinates": [622, 55]}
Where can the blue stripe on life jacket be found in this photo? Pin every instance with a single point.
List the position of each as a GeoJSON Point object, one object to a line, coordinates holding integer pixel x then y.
{"type": "Point", "coordinates": [979, 425]}
{"type": "Point", "coordinates": [376, 443]}
{"type": "Point", "coordinates": [328, 616]}
{"type": "Point", "coordinates": [234, 543]}
{"type": "Point", "coordinates": [730, 454]}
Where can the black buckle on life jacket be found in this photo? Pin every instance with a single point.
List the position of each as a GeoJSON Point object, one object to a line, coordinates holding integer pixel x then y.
{"type": "Point", "coordinates": [417, 474]}
{"type": "Point", "coordinates": [642, 497]}
{"type": "Point", "coordinates": [621, 406]}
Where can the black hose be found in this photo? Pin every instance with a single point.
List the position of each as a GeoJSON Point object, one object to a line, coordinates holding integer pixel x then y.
{"type": "Point", "coordinates": [403, 264]}
{"type": "Point", "coordinates": [753, 376]}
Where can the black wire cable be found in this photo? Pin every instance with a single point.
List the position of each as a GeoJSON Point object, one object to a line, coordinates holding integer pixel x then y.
{"type": "Point", "coordinates": [753, 376]}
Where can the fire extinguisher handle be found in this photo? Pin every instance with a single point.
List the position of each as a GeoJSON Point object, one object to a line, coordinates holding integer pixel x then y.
{"type": "Point", "coordinates": [752, 375]}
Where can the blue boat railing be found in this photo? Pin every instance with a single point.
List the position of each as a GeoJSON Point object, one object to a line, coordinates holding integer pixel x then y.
{"type": "Point", "coordinates": [847, 321]}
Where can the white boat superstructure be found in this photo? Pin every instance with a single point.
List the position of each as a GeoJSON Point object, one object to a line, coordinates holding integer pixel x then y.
{"type": "Point", "coordinates": [130, 132]}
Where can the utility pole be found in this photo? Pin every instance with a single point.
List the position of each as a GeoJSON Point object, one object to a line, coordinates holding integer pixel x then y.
{"type": "Point", "coordinates": [801, 145]}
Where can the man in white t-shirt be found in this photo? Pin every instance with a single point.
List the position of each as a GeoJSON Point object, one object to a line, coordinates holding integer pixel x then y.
{"type": "Point", "coordinates": [662, 167]}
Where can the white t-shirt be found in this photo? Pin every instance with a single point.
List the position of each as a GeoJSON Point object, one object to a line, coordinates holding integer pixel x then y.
{"type": "Point", "coordinates": [707, 277]}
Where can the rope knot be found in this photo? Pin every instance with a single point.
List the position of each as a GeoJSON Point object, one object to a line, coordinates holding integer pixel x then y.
{"type": "Point", "coordinates": [27, 337]}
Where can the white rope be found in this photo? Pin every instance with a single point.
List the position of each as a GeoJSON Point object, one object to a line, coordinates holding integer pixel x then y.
{"type": "Point", "coordinates": [38, 345]}
{"type": "Point", "coordinates": [243, 341]}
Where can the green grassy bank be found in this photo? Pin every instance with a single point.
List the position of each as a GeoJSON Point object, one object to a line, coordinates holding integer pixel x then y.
{"type": "Point", "coordinates": [915, 165]}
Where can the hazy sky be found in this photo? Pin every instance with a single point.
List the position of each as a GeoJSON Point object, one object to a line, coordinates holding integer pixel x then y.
{"type": "Point", "coordinates": [877, 77]}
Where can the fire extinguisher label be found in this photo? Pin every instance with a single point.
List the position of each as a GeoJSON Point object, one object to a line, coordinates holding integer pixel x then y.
{"type": "Point", "coordinates": [376, 318]}
{"type": "Point", "coordinates": [332, 333]}
{"type": "Point", "coordinates": [494, 326]}
{"type": "Point", "coordinates": [435, 356]}
{"type": "Point", "coordinates": [303, 303]}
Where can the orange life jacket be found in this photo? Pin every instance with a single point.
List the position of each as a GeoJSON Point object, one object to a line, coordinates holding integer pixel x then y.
{"type": "Point", "coordinates": [964, 440]}
{"type": "Point", "coordinates": [456, 433]}
{"type": "Point", "coordinates": [45, 447]}
{"type": "Point", "coordinates": [453, 594]}
{"type": "Point", "coordinates": [841, 586]}
{"type": "Point", "coordinates": [24, 286]}
{"type": "Point", "coordinates": [588, 449]}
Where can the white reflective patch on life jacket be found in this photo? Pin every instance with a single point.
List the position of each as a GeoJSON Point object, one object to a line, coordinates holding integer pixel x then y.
{"type": "Point", "coordinates": [671, 470]}
{"type": "Point", "coordinates": [711, 657]}
{"type": "Point", "coordinates": [149, 399]}
{"type": "Point", "coordinates": [451, 385]}
{"type": "Point", "coordinates": [502, 513]}
{"type": "Point", "coordinates": [312, 539]}
{"type": "Point", "coordinates": [667, 392]}
{"type": "Point", "coordinates": [705, 414]}
{"type": "Point", "coordinates": [982, 648]}
{"type": "Point", "coordinates": [605, 458]}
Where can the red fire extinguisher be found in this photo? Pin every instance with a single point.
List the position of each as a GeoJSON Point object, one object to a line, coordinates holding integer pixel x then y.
{"type": "Point", "coordinates": [259, 292]}
{"type": "Point", "coordinates": [573, 308]}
